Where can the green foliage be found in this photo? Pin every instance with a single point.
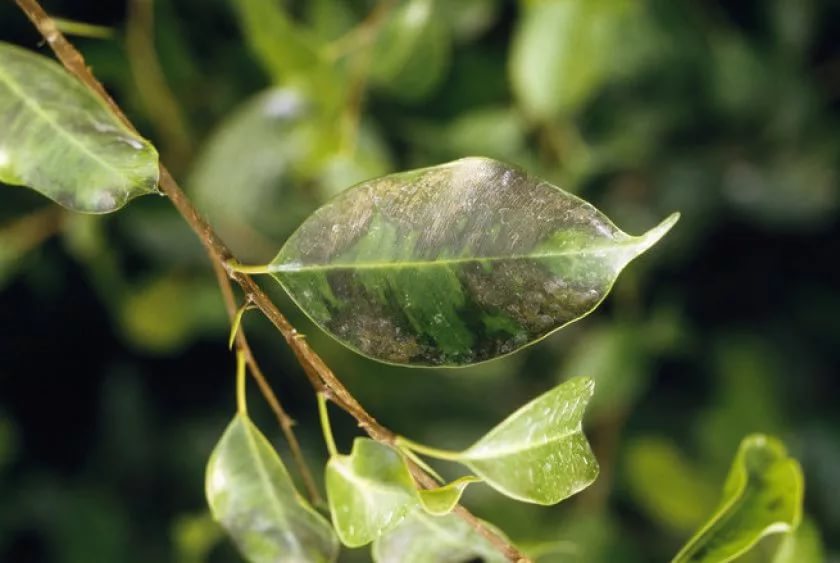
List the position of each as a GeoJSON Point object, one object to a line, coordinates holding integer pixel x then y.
{"type": "Point", "coordinates": [424, 538]}
{"type": "Point", "coordinates": [762, 495]}
{"type": "Point", "coordinates": [65, 142]}
{"type": "Point", "coordinates": [252, 496]}
{"type": "Point", "coordinates": [454, 264]}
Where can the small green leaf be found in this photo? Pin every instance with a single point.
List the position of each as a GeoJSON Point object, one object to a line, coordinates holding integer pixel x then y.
{"type": "Point", "coordinates": [539, 453]}
{"type": "Point", "coordinates": [371, 490]}
{"type": "Point", "coordinates": [424, 538]}
{"type": "Point", "coordinates": [411, 54]}
{"type": "Point", "coordinates": [251, 494]}
{"type": "Point", "coordinates": [762, 495]}
{"type": "Point", "coordinates": [63, 141]}
{"type": "Point", "coordinates": [453, 264]}
{"type": "Point", "coordinates": [442, 500]}
{"type": "Point", "coordinates": [560, 53]}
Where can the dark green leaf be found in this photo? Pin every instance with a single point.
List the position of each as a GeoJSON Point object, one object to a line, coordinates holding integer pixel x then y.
{"type": "Point", "coordinates": [454, 264]}
{"type": "Point", "coordinates": [251, 494]}
{"type": "Point", "coordinates": [63, 141]}
{"type": "Point", "coordinates": [762, 495]}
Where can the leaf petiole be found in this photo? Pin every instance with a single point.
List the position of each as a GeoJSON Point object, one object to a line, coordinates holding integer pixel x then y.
{"type": "Point", "coordinates": [235, 266]}
{"type": "Point", "coordinates": [406, 444]}
{"type": "Point", "coordinates": [241, 405]}
{"type": "Point", "coordinates": [324, 415]}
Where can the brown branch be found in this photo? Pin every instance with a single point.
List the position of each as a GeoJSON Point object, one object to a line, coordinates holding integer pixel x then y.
{"type": "Point", "coordinates": [283, 419]}
{"type": "Point", "coordinates": [320, 375]}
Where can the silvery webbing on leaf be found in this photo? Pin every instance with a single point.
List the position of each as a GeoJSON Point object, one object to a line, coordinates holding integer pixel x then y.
{"type": "Point", "coordinates": [62, 140]}
{"type": "Point", "coordinates": [453, 264]}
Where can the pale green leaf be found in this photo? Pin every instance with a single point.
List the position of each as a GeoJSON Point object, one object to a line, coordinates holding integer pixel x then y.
{"type": "Point", "coordinates": [424, 538]}
{"type": "Point", "coordinates": [666, 485]}
{"type": "Point", "coordinates": [453, 264]}
{"type": "Point", "coordinates": [560, 53]}
{"type": "Point", "coordinates": [63, 141]}
{"type": "Point", "coordinates": [371, 490]}
{"type": "Point", "coordinates": [411, 54]}
{"type": "Point", "coordinates": [443, 499]}
{"type": "Point", "coordinates": [801, 546]}
{"type": "Point", "coordinates": [251, 494]}
{"type": "Point", "coordinates": [539, 453]}
{"type": "Point", "coordinates": [762, 495]}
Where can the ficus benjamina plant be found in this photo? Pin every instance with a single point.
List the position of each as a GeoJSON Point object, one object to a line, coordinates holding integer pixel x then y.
{"type": "Point", "coordinates": [445, 266]}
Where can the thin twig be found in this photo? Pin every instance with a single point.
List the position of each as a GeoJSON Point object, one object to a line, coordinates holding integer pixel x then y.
{"type": "Point", "coordinates": [283, 419]}
{"type": "Point", "coordinates": [320, 375]}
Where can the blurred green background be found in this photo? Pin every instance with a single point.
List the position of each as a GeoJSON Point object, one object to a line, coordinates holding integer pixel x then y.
{"type": "Point", "coordinates": [116, 380]}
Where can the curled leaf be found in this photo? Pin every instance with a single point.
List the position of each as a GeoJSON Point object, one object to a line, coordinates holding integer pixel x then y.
{"type": "Point", "coordinates": [453, 264]}
{"type": "Point", "coordinates": [63, 141]}
{"type": "Point", "coordinates": [371, 490]}
{"type": "Point", "coordinates": [251, 494]}
{"type": "Point", "coordinates": [539, 453]}
{"type": "Point", "coordinates": [762, 495]}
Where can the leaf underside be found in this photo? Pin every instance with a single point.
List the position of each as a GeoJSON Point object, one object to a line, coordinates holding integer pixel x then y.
{"type": "Point", "coordinates": [60, 139]}
{"type": "Point", "coordinates": [453, 264]}
{"type": "Point", "coordinates": [762, 495]}
{"type": "Point", "coordinates": [251, 494]}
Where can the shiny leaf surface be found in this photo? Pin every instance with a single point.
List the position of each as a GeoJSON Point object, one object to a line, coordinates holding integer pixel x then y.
{"type": "Point", "coordinates": [539, 453]}
{"type": "Point", "coordinates": [251, 494]}
{"type": "Point", "coordinates": [762, 495]}
{"type": "Point", "coordinates": [453, 264]}
{"type": "Point", "coordinates": [423, 538]}
{"type": "Point", "coordinates": [63, 141]}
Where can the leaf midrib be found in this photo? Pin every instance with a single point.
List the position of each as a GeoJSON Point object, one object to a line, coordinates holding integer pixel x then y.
{"type": "Point", "coordinates": [262, 471]}
{"type": "Point", "coordinates": [515, 451]}
{"type": "Point", "coordinates": [21, 94]}
{"type": "Point", "coordinates": [287, 269]}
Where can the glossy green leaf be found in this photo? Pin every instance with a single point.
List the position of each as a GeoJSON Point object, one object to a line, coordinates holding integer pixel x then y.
{"type": "Point", "coordinates": [560, 53]}
{"type": "Point", "coordinates": [453, 264]}
{"type": "Point", "coordinates": [371, 490]}
{"type": "Point", "coordinates": [762, 495]}
{"type": "Point", "coordinates": [443, 499]}
{"type": "Point", "coordinates": [539, 453]}
{"type": "Point", "coordinates": [63, 141]}
{"type": "Point", "coordinates": [423, 538]}
{"type": "Point", "coordinates": [411, 54]}
{"type": "Point", "coordinates": [251, 494]}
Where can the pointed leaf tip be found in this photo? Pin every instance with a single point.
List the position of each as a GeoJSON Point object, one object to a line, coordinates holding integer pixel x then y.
{"type": "Point", "coordinates": [453, 264]}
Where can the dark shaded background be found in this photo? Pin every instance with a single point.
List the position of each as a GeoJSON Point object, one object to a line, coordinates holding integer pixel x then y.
{"type": "Point", "coordinates": [116, 381]}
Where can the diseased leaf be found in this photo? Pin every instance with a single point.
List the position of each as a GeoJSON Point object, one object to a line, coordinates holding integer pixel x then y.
{"type": "Point", "coordinates": [251, 494]}
{"type": "Point", "coordinates": [60, 139]}
{"type": "Point", "coordinates": [762, 495]}
{"type": "Point", "coordinates": [539, 453]}
{"type": "Point", "coordinates": [424, 538]}
{"type": "Point", "coordinates": [371, 490]}
{"type": "Point", "coordinates": [453, 264]}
